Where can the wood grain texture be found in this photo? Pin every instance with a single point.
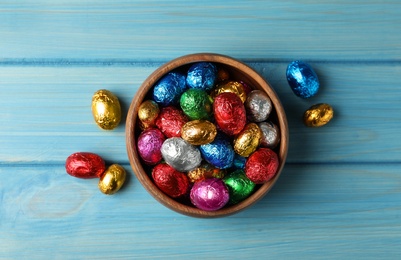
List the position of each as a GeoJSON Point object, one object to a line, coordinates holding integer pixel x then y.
{"type": "Point", "coordinates": [338, 196]}
{"type": "Point", "coordinates": [154, 30]}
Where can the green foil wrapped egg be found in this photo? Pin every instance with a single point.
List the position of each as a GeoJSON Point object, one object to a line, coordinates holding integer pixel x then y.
{"type": "Point", "coordinates": [196, 104]}
{"type": "Point", "coordinates": [239, 186]}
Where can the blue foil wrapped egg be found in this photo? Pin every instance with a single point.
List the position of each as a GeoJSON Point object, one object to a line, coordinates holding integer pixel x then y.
{"type": "Point", "coordinates": [302, 79]}
{"type": "Point", "coordinates": [169, 89]}
{"type": "Point", "coordinates": [219, 153]}
{"type": "Point", "coordinates": [202, 75]}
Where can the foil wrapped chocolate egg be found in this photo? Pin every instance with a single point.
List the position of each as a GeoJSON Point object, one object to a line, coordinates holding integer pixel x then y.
{"type": "Point", "coordinates": [209, 194]}
{"type": "Point", "coordinates": [318, 115]}
{"type": "Point", "coordinates": [196, 104]}
{"type": "Point", "coordinates": [180, 154]}
{"type": "Point", "coordinates": [205, 171]}
{"type": "Point", "coordinates": [149, 144]}
{"type": "Point", "coordinates": [302, 79]}
{"type": "Point", "coordinates": [170, 121]}
{"type": "Point", "coordinates": [247, 88]}
{"type": "Point", "coordinates": [198, 132]}
{"type": "Point", "coordinates": [239, 186]}
{"type": "Point", "coordinates": [239, 161]}
{"type": "Point", "coordinates": [270, 134]}
{"type": "Point", "coordinates": [229, 112]}
{"type": "Point", "coordinates": [112, 179]}
{"type": "Point", "coordinates": [85, 165]}
{"type": "Point", "coordinates": [202, 75]}
{"type": "Point", "coordinates": [218, 153]}
{"type": "Point", "coordinates": [106, 109]}
{"type": "Point", "coordinates": [168, 90]}
{"type": "Point", "coordinates": [258, 106]}
{"type": "Point", "coordinates": [172, 182]}
{"type": "Point", "coordinates": [248, 140]}
{"type": "Point", "coordinates": [222, 75]}
{"type": "Point", "coordinates": [231, 86]}
{"type": "Point", "coordinates": [262, 165]}
{"type": "Point", "coordinates": [148, 111]}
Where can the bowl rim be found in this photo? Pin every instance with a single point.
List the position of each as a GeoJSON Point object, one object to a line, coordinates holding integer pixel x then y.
{"type": "Point", "coordinates": [131, 146]}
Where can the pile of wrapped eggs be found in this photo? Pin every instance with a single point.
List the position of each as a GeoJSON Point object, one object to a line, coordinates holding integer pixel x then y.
{"type": "Point", "coordinates": [207, 139]}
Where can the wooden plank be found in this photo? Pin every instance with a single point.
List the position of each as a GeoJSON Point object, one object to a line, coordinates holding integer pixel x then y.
{"type": "Point", "coordinates": [45, 112]}
{"type": "Point", "coordinates": [313, 211]}
{"type": "Point", "coordinates": [162, 30]}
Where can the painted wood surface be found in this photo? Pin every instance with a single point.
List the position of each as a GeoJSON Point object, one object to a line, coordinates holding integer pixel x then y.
{"type": "Point", "coordinates": [339, 195]}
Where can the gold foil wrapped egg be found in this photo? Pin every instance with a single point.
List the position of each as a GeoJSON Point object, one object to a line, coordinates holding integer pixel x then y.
{"type": "Point", "coordinates": [248, 140]}
{"type": "Point", "coordinates": [231, 86]}
{"type": "Point", "coordinates": [148, 111]}
{"type": "Point", "coordinates": [318, 115]}
{"type": "Point", "coordinates": [112, 179]}
{"type": "Point", "coordinates": [106, 109]}
{"type": "Point", "coordinates": [198, 132]}
{"type": "Point", "coordinates": [205, 171]}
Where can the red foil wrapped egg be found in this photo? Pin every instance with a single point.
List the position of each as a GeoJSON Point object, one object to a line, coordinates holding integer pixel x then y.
{"type": "Point", "coordinates": [170, 121]}
{"type": "Point", "coordinates": [262, 165]}
{"type": "Point", "coordinates": [149, 144]}
{"type": "Point", "coordinates": [172, 182]}
{"type": "Point", "coordinates": [229, 112]}
{"type": "Point", "coordinates": [85, 165]}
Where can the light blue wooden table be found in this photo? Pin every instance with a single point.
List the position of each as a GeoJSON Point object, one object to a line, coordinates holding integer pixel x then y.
{"type": "Point", "coordinates": [339, 196]}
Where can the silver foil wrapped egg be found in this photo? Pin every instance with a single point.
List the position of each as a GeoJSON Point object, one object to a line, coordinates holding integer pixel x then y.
{"type": "Point", "coordinates": [180, 154]}
{"type": "Point", "coordinates": [270, 134]}
{"type": "Point", "coordinates": [258, 106]}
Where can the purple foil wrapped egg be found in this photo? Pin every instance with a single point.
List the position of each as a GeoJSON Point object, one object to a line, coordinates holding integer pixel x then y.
{"type": "Point", "coordinates": [149, 144]}
{"type": "Point", "coordinates": [210, 194]}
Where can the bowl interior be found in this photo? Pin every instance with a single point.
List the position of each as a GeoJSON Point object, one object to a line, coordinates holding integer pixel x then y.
{"type": "Point", "coordinates": [238, 71]}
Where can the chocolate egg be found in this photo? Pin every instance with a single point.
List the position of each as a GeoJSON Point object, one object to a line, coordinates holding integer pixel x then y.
{"type": "Point", "coordinates": [219, 153]}
{"type": "Point", "coordinates": [180, 154]}
{"type": "Point", "coordinates": [85, 165]}
{"type": "Point", "coordinates": [198, 132]}
{"type": "Point", "coordinates": [239, 186]}
{"type": "Point", "coordinates": [258, 106]}
{"type": "Point", "coordinates": [222, 75]}
{"type": "Point", "coordinates": [302, 79]}
{"type": "Point", "coordinates": [172, 182]}
{"type": "Point", "coordinates": [318, 115]}
{"type": "Point", "coordinates": [231, 86]}
{"type": "Point", "coordinates": [106, 109]}
{"type": "Point", "coordinates": [229, 112]}
{"type": "Point", "coordinates": [270, 134]}
{"type": "Point", "coordinates": [170, 121]}
{"type": "Point", "coordinates": [168, 90]}
{"type": "Point", "coordinates": [148, 111]}
{"type": "Point", "coordinates": [149, 144]}
{"type": "Point", "coordinates": [205, 171]}
{"type": "Point", "coordinates": [196, 104]}
{"type": "Point", "coordinates": [247, 140]}
{"type": "Point", "coordinates": [262, 165]}
{"type": "Point", "coordinates": [202, 75]}
{"type": "Point", "coordinates": [112, 179]}
{"type": "Point", "coordinates": [209, 194]}
{"type": "Point", "coordinates": [239, 162]}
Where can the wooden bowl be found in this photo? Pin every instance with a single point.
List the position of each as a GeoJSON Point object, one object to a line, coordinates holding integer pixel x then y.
{"type": "Point", "coordinates": [238, 71]}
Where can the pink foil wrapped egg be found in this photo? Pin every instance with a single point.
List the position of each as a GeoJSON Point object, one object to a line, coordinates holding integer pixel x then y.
{"type": "Point", "coordinates": [149, 143]}
{"type": "Point", "coordinates": [210, 194]}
